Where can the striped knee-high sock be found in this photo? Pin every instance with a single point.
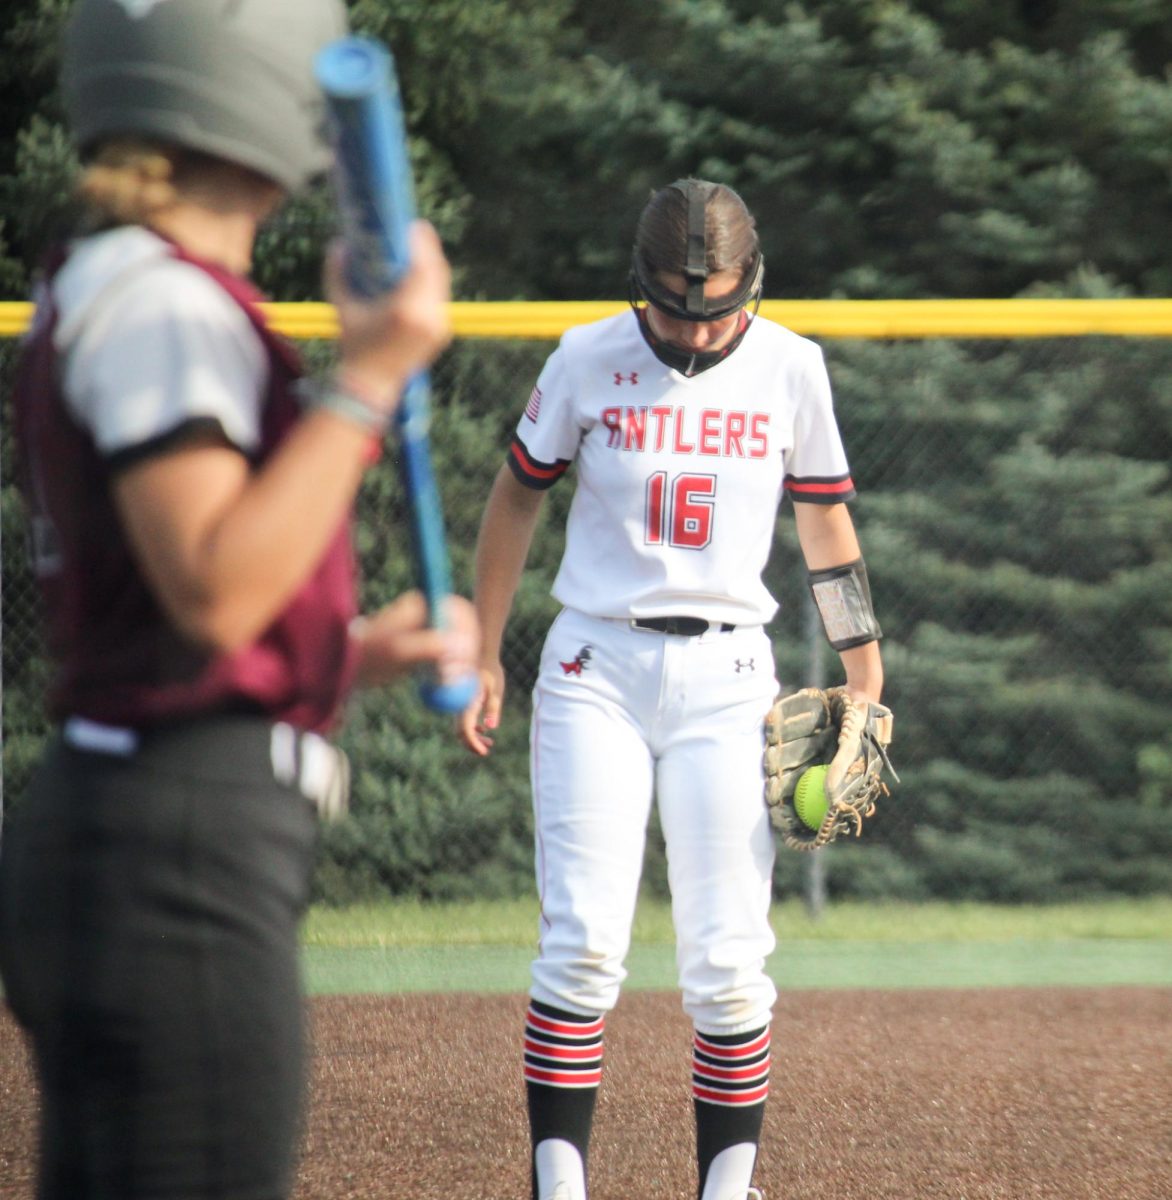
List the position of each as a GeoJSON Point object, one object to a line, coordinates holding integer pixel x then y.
{"type": "Point", "coordinates": [730, 1080]}
{"type": "Point", "coordinates": [563, 1068]}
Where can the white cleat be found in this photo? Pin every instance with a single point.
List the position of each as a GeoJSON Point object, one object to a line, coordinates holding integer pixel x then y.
{"type": "Point", "coordinates": [559, 1165]}
{"type": "Point", "coordinates": [752, 1194]}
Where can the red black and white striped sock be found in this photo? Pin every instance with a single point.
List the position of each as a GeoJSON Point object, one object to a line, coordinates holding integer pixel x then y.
{"type": "Point", "coordinates": [563, 1068]}
{"type": "Point", "coordinates": [730, 1081]}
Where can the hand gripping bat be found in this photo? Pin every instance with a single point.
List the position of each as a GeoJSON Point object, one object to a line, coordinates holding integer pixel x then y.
{"type": "Point", "coordinates": [375, 194]}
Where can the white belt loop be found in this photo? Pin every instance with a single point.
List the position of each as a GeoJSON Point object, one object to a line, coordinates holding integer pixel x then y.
{"type": "Point", "coordinates": [83, 734]}
{"type": "Point", "coordinates": [283, 753]}
{"type": "Point", "coordinates": [325, 776]}
{"type": "Point", "coordinates": [319, 770]}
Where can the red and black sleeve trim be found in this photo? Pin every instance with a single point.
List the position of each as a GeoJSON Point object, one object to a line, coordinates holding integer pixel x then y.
{"type": "Point", "coordinates": [820, 489]}
{"type": "Point", "coordinates": [530, 472]}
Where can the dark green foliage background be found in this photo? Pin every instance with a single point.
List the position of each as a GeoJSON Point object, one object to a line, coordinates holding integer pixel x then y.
{"type": "Point", "coordinates": [1015, 506]}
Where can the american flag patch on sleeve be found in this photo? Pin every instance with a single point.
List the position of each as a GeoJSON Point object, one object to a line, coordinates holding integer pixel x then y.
{"type": "Point", "coordinates": [534, 405]}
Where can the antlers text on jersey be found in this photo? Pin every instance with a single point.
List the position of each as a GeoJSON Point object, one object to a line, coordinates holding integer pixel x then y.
{"type": "Point", "coordinates": [715, 432]}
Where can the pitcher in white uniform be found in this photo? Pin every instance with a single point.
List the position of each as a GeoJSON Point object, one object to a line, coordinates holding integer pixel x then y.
{"type": "Point", "coordinates": [689, 418]}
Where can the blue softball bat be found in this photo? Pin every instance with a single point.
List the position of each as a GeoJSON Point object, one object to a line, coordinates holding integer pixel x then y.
{"type": "Point", "coordinates": [376, 197]}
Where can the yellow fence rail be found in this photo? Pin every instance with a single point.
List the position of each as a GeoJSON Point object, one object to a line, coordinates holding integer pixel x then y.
{"type": "Point", "coordinates": [817, 318]}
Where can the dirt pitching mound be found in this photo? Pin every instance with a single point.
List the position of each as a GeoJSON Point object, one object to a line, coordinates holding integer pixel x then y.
{"type": "Point", "coordinates": [1025, 1094]}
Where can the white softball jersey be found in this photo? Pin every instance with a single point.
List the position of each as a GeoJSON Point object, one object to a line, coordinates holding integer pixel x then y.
{"type": "Point", "coordinates": [678, 478]}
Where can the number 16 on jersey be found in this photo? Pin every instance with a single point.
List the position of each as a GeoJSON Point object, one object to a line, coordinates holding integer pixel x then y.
{"type": "Point", "coordinates": [679, 511]}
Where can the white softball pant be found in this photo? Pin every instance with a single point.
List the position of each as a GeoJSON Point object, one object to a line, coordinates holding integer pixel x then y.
{"type": "Point", "coordinates": [621, 716]}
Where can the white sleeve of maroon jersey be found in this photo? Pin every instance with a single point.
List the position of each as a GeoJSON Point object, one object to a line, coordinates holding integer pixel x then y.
{"type": "Point", "coordinates": [171, 348]}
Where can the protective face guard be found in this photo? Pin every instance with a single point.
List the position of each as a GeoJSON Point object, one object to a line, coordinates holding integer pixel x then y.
{"type": "Point", "coordinates": [692, 362]}
{"type": "Point", "coordinates": [694, 306]}
{"type": "Point", "coordinates": [688, 362]}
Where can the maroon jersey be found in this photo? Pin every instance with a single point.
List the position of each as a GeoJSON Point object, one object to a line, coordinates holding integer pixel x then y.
{"type": "Point", "coordinates": [118, 658]}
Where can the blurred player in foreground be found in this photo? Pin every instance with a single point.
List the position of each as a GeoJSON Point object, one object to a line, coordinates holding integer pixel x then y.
{"type": "Point", "coordinates": [189, 505]}
{"type": "Point", "coordinates": [688, 419]}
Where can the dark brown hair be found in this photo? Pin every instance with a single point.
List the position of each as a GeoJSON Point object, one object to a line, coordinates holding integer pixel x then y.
{"type": "Point", "coordinates": [661, 237]}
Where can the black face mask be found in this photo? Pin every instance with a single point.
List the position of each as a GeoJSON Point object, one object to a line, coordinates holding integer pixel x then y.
{"type": "Point", "coordinates": [643, 287]}
{"type": "Point", "coordinates": [690, 362]}
{"type": "Point", "coordinates": [694, 305]}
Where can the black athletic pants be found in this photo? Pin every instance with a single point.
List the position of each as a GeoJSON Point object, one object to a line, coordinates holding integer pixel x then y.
{"type": "Point", "coordinates": [148, 942]}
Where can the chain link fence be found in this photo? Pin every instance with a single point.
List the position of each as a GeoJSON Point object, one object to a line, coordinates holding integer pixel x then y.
{"type": "Point", "coordinates": [1015, 508]}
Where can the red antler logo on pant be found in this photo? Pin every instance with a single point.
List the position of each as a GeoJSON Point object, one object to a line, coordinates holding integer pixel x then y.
{"type": "Point", "coordinates": [581, 661]}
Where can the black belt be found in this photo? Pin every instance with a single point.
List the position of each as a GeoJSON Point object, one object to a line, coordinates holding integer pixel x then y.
{"type": "Point", "coordinates": [680, 626]}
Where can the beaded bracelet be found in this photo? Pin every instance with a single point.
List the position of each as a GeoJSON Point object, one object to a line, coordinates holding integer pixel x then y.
{"type": "Point", "coordinates": [340, 397]}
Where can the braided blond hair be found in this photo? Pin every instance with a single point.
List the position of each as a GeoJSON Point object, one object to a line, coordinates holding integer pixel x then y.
{"type": "Point", "coordinates": [128, 180]}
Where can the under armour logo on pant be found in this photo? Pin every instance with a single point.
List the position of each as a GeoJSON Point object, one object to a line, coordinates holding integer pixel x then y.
{"type": "Point", "coordinates": [745, 666]}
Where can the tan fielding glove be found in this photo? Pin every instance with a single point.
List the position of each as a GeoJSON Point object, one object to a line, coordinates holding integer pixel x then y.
{"type": "Point", "coordinates": [814, 727]}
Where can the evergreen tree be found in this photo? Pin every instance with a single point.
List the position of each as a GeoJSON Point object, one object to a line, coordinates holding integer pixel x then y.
{"type": "Point", "coordinates": [1016, 507]}
{"type": "Point", "coordinates": [1015, 497]}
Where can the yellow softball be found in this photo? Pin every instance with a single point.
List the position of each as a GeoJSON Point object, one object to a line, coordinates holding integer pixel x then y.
{"type": "Point", "coordinates": [810, 796]}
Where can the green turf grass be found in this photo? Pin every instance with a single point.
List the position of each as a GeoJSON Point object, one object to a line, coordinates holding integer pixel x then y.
{"type": "Point", "coordinates": [1064, 963]}
{"type": "Point", "coordinates": [487, 947]}
{"type": "Point", "coordinates": [514, 922]}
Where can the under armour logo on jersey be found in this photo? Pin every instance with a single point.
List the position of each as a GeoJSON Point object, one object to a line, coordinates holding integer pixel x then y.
{"type": "Point", "coordinates": [745, 666]}
{"type": "Point", "coordinates": [580, 663]}
{"type": "Point", "coordinates": [620, 378]}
